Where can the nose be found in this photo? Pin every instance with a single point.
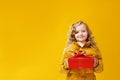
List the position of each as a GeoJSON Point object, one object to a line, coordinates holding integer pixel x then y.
{"type": "Point", "coordinates": [80, 33]}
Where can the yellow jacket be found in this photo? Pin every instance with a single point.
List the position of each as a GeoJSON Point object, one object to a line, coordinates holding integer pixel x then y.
{"type": "Point", "coordinates": [69, 50]}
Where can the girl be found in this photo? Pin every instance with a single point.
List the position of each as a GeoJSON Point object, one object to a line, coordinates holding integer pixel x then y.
{"type": "Point", "coordinates": [80, 39]}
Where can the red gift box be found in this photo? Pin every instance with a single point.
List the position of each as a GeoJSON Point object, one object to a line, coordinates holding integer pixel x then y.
{"type": "Point", "coordinates": [81, 61]}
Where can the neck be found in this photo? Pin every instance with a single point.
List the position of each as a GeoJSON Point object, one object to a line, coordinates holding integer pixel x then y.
{"type": "Point", "coordinates": [82, 43]}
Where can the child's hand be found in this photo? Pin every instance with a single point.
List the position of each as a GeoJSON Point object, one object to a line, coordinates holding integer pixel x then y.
{"type": "Point", "coordinates": [76, 53]}
{"type": "Point", "coordinates": [82, 52]}
{"type": "Point", "coordinates": [66, 64]}
{"type": "Point", "coordinates": [79, 53]}
{"type": "Point", "coordinates": [95, 62]}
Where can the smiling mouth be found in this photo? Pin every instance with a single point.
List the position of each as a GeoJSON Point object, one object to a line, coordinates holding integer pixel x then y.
{"type": "Point", "coordinates": [81, 37]}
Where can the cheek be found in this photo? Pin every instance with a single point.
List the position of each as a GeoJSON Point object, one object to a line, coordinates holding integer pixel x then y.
{"type": "Point", "coordinates": [85, 34]}
{"type": "Point", "coordinates": [76, 35]}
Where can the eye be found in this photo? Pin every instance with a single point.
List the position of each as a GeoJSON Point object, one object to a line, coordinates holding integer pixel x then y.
{"type": "Point", "coordinates": [83, 31]}
{"type": "Point", "coordinates": [76, 32]}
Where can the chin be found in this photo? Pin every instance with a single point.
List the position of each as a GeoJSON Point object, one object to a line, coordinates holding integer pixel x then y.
{"type": "Point", "coordinates": [81, 40]}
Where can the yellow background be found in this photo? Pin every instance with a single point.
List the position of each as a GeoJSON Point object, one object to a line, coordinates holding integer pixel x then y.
{"type": "Point", "coordinates": [33, 34]}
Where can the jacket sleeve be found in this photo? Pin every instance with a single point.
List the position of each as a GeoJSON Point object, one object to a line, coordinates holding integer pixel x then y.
{"type": "Point", "coordinates": [99, 67]}
{"type": "Point", "coordinates": [66, 53]}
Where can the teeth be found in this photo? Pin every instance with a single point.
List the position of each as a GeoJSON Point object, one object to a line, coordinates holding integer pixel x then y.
{"type": "Point", "coordinates": [81, 37]}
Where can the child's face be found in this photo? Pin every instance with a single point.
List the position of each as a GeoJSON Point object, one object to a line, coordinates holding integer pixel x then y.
{"type": "Point", "coordinates": [81, 33]}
